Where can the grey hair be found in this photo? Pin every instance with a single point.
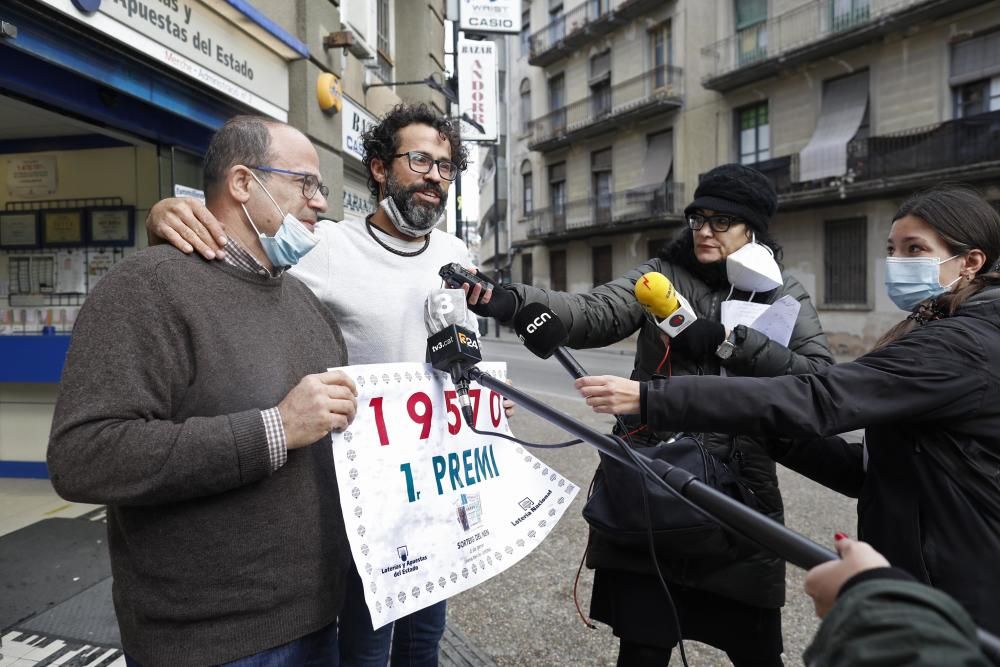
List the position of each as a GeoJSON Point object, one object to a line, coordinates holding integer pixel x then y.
{"type": "Point", "coordinates": [242, 140]}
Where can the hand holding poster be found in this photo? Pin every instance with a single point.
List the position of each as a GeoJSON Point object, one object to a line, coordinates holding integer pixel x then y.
{"type": "Point", "coordinates": [432, 508]}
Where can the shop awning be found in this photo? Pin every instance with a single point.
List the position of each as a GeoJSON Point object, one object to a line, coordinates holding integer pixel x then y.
{"type": "Point", "coordinates": [659, 158]}
{"type": "Point", "coordinates": [843, 108]}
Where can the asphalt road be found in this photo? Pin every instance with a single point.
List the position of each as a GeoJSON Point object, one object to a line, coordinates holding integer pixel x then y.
{"type": "Point", "coordinates": [527, 615]}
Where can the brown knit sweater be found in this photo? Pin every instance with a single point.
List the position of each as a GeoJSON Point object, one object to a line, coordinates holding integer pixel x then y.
{"type": "Point", "coordinates": [172, 360]}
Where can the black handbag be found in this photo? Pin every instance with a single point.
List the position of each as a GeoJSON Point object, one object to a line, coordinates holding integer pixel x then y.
{"type": "Point", "coordinates": [615, 507]}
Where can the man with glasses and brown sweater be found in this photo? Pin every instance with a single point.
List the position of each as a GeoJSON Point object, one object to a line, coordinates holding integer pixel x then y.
{"type": "Point", "coordinates": [195, 403]}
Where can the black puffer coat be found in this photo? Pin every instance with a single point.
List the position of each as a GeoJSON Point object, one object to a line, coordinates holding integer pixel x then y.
{"type": "Point", "coordinates": [928, 483]}
{"type": "Point", "coordinates": [610, 313]}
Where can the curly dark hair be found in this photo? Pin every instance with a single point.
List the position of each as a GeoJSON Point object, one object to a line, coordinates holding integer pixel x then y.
{"type": "Point", "coordinates": [381, 141]}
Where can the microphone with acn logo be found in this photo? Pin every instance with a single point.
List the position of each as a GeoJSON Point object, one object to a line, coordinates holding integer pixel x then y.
{"type": "Point", "coordinates": [544, 334]}
{"type": "Point", "coordinates": [450, 347]}
{"type": "Point", "coordinates": [671, 311]}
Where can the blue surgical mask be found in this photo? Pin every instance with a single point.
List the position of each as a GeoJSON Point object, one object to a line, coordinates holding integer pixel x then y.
{"type": "Point", "coordinates": [292, 240]}
{"type": "Point", "coordinates": [910, 280]}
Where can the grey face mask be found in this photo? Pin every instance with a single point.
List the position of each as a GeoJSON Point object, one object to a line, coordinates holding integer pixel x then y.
{"type": "Point", "coordinates": [414, 220]}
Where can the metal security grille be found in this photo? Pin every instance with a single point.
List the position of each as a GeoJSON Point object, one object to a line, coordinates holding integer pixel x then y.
{"type": "Point", "coordinates": [845, 262]}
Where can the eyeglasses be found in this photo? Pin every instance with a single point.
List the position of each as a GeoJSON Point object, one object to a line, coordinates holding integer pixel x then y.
{"type": "Point", "coordinates": [310, 184]}
{"type": "Point", "coordinates": [717, 223]}
{"type": "Point", "coordinates": [422, 163]}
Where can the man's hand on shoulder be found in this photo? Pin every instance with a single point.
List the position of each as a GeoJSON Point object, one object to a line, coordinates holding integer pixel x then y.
{"type": "Point", "coordinates": [318, 404]}
{"type": "Point", "coordinates": [186, 224]}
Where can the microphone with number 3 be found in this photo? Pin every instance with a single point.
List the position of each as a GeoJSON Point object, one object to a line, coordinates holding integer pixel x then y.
{"type": "Point", "coordinates": [451, 347]}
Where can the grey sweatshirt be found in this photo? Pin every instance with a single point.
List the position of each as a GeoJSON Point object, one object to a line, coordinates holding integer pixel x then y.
{"type": "Point", "coordinates": [158, 416]}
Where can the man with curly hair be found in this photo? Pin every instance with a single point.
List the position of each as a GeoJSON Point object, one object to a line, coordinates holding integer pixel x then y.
{"type": "Point", "coordinates": [412, 156]}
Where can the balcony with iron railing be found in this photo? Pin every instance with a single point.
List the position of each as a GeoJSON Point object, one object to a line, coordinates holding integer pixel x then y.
{"type": "Point", "coordinates": [964, 149]}
{"type": "Point", "coordinates": [594, 18]}
{"type": "Point", "coordinates": [658, 90]}
{"type": "Point", "coordinates": [613, 212]}
{"type": "Point", "coordinates": [816, 29]}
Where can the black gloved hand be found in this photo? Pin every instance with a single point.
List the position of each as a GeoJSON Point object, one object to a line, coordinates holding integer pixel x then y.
{"type": "Point", "coordinates": [502, 305]}
{"type": "Point", "coordinates": [699, 341]}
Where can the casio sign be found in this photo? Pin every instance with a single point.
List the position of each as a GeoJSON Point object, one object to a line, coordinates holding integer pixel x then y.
{"type": "Point", "coordinates": [490, 22]}
{"type": "Point", "coordinates": [536, 323]}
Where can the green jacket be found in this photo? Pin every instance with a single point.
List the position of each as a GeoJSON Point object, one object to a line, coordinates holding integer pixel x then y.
{"type": "Point", "coordinates": [610, 313]}
{"type": "Point", "coordinates": [884, 622]}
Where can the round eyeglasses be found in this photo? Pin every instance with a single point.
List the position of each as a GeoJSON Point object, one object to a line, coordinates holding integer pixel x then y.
{"type": "Point", "coordinates": [421, 163]}
{"type": "Point", "coordinates": [717, 223]}
{"type": "Point", "coordinates": [310, 184]}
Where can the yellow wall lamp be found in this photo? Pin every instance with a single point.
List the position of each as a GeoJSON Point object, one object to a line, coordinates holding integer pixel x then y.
{"type": "Point", "coordinates": [329, 92]}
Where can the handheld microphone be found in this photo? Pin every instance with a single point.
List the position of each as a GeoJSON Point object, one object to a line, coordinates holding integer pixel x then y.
{"type": "Point", "coordinates": [544, 334]}
{"type": "Point", "coordinates": [450, 347]}
{"type": "Point", "coordinates": [671, 311]}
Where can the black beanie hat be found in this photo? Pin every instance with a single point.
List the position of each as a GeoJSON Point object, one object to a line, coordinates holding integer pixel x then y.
{"type": "Point", "coordinates": [737, 190]}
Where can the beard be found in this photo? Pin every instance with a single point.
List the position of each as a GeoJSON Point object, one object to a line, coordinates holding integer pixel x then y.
{"type": "Point", "coordinates": [417, 213]}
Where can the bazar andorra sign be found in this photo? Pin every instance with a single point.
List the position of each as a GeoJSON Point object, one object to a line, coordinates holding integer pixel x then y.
{"type": "Point", "coordinates": [190, 37]}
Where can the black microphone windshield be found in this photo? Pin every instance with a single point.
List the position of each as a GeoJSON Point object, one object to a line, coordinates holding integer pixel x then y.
{"type": "Point", "coordinates": [541, 330]}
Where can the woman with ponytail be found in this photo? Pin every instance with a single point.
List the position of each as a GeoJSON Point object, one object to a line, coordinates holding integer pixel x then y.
{"type": "Point", "coordinates": [927, 477]}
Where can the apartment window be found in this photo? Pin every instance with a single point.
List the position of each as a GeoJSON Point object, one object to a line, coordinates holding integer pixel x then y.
{"type": "Point", "coordinates": [557, 269]}
{"type": "Point", "coordinates": [601, 264]}
{"type": "Point", "coordinates": [557, 92]}
{"type": "Point", "coordinates": [557, 102]}
{"type": "Point", "coordinates": [975, 74]}
{"type": "Point", "coordinates": [600, 83]}
{"type": "Point", "coordinates": [600, 166]}
{"type": "Point", "coordinates": [754, 134]}
{"type": "Point", "coordinates": [751, 30]}
{"type": "Point", "coordinates": [527, 269]}
{"type": "Point", "coordinates": [527, 189]}
{"type": "Point", "coordinates": [846, 14]}
{"type": "Point", "coordinates": [977, 97]}
{"type": "Point", "coordinates": [384, 50]}
{"type": "Point", "coordinates": [598, 8]}
{"type": "Point", "coordinates": [661, 43]}
{"type": "Point", "coordinates": [845, 262]}
{"type": "Point", "coordinates": [525, 33]}
{"type": "Point", "coordinates": [525, 106]}
{"type": "Point", "coordinates": [557, 193]}
{"type": "Point", "coordinates": [557, 22]}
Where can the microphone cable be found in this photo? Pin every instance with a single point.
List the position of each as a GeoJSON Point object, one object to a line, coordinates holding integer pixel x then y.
{"type": "Point", "coordinates": [641, 467]}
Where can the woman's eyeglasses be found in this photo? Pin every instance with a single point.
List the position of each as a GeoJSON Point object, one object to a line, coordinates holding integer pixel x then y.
{"type": "Point", "coordinates": [717, 223]}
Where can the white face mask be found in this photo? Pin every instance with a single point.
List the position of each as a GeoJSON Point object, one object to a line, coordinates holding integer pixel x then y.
{"type": "Point", "coordinates": [752, 268]}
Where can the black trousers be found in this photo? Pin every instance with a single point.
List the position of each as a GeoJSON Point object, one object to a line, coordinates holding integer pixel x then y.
{"type": "Point", "coordinates": [636, 608]}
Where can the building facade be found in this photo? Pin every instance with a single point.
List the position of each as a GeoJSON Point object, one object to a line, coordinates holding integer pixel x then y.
{"type": "Point", "coordinates": [617, 106]}
{"type": "Point", "coordinates": [107, 107]}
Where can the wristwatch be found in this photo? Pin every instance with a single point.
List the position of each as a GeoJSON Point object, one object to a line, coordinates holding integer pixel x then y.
{"type": "Point", "coordinates": [728, 346]}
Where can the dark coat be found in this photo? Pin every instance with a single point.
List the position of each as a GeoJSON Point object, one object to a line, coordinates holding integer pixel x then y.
{"type": "Point", "coordinates": [929, 492]}
{"type": "Point", "coordinates": [890, 622]}
{"type": "Point", "coordinates": [610, 313]}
